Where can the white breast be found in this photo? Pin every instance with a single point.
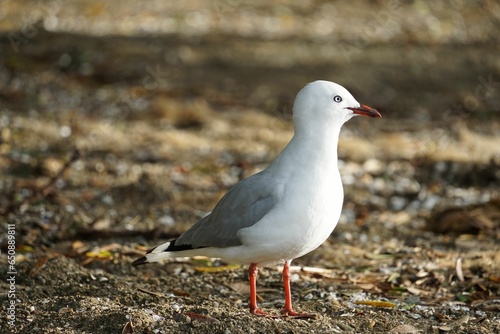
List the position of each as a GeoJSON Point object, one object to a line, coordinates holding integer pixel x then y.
{"type": "Point", "coordinates": [301, 222]}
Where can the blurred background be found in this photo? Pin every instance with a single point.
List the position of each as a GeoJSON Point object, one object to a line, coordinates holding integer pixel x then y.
{"type": "Point", "coordinates": [185, 83]}
{"type": "Point", "coordinates": [128, 120]}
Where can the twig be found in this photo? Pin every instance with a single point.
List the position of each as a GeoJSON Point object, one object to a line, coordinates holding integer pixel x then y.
{"type": "Point", "coordinates": [458, 269]}
{"type": "Point", "coordinates": [43, 192]}
{"type": "Point", "coordinates": [152, 293]}
{"type": "Point", "coordinates": [75, 155]}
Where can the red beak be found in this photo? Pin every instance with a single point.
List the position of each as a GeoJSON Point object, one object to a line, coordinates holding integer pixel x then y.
{"type": "Point", "coordinates": [365, 110]}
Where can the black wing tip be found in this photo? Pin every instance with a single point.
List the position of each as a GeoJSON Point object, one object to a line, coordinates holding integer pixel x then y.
{"type": "Point", "coordinates": [172, 247]}
{"type": "Point", "coordinates": [178, 248]}
{"type": "Point", "coordinates": [140, 261]}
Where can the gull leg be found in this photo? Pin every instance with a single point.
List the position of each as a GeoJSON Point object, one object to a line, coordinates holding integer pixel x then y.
{"type": "Point", "coordinates": [252, 275]}
{"type": "Point", "coordinates": [287, 310]}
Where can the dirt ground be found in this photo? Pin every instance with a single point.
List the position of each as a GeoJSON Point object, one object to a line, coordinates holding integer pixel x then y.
{"type": "Point", "coordinates": [122, 124]}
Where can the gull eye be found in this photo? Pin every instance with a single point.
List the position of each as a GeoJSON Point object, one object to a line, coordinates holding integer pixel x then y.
{"type": "Point", "coordinates": [337, 98]}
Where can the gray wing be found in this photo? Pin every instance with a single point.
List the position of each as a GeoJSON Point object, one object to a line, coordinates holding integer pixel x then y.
{"type": "Point", "coordinates": [242, 206]}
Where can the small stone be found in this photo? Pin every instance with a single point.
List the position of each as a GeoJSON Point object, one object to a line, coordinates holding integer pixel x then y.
{"type": "Point", "coordinates": [430, 202]}
{"type": "Point", "coordinates": [157, 318]}
{"type": "Point", "coordinates": [397, 203]}
{"type": "Point", "coordinates": [373, 166]}
{"type": "Point", "coordinates": [65, 131]}
{"type": "Point", "coordinates": [167, 220]}
{"type": "Point", "coordinates": [309, 296]}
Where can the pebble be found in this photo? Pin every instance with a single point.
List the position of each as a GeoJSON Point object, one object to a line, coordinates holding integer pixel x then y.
{"type": "Point", "coordinates": [378, 185]}
{"type": "Point", "coordinates": [430, 202]}
{"type": "Point", "coordinates": [167, 220]}
{"type": "Point", "coordinates": [373, 166]}
{"type": "Point", "coordinates": [157, 318]}
{"type": "Point", "coordinates": [309, 296]}
{"type": "Point", "coordinates": [107, 199]}
{"type": "Point", "coordinates": [363, 237]}
{"type": "Point", "coordinates": [65, 131]}
{"type": "Point", "coordinates": [406, 186]}
{"type": "Point", "coordinates": [397, 203]}
{"type": "Point", "coordinates": [347, 236]}
{"type": "Point", "coordinates": [294, 277]}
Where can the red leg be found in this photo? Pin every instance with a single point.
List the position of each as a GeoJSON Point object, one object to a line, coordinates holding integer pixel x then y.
{"type": "Point", "coordinates": [252, 275]}
{"type": "Point", "coordinates": [287, 310]}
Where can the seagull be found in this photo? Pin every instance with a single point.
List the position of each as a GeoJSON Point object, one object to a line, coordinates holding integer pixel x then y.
{"type": "Point", "coordinates": [286, 210]}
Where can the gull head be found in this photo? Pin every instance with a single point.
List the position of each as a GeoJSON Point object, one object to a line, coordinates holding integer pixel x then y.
{"type": "Point", "coordinates": [324, 104]}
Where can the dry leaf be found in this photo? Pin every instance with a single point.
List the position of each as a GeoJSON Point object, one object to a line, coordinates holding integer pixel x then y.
{"type": "Point", "coordinates": [79, 247]}
{"type": "Point", "coordinates": [216, 269]}
{"type": "Point", "coordinates": [152, 293]}
{"type": "Point", "coordinates": [375, 303]}
{"type": "Point", "coordinates": [404, 329]}
{"type": "Point", "coordinates": [495, 279]}
{"type": "Point", "coordinates": [365, 286]}
{"type": "Point", "coordinates": [128, 328]}
{"type": "Point", "coordinates": [414, 291]}
{"type": "Point", "coordinates": [63, 310]}
{"type": "Point", "coordinates": [25, 249]}
{"type": "Point", "coordinates": [240, 287]}
{"type": "Point", "coordinates": [40, 263]}
{"type": "Point", "coordinates": [441, 316]}
{"type": "Point", "coordinates": [462, 320]}
{"type": "Point", "coordinates": [101, 254]}
{"type": "Point", "coordinates": [445, 328]}
{"type": "Point", "coordinates": [180, 293]}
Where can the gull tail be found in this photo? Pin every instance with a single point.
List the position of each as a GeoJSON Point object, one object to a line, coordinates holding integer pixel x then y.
{"type": "Point", "coordinates": [164, 251]}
